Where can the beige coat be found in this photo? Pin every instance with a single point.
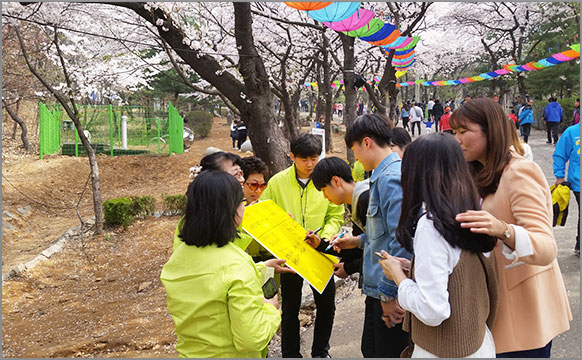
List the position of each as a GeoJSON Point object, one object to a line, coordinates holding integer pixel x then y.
{"type": "Point", "coordinates": [533, 305]}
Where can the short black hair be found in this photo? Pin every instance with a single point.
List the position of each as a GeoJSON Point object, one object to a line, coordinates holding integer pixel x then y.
{"type": "Point", "coordinates": [400, 137]}
{"type": "Point", "coordinates": [374, 126]}
{"type": "Point", "coordinates": [215, 160]}
{"type": "Point", "coordinates": [254, 165]}
{"type": "Point", "coordinates": [329, 167]}
{"type": "Point", "coordinates": [306, 145]}
{"type": "Point", "coordinates": [212, 202]}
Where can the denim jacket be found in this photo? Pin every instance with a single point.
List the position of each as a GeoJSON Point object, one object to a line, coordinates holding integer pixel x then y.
{"type": "Point", "coordinates": [381, 222]}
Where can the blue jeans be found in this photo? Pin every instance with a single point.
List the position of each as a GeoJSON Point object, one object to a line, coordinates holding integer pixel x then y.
{"type": "Point", "coordinates": [543, 352]}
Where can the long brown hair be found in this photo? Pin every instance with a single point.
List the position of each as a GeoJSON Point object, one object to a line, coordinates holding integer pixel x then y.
{"type": "Point", "coordinates": [435, 173]}
{"type": "Point", "coordinates": [489, 115]}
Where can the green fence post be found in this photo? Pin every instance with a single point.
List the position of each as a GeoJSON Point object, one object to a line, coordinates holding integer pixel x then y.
{"type": "Point", "coordinates": [119, 129]}
{"type": "Point", "coordinates": [111, 129]}
{"type": "Point", "coordinates": [76, 142]}
{"type": "Point", "coordinates": [41, 114]}
{"type": "Point", "coordinates": [176, 127]}
{"type": "Point", "coordinates": [159, 134]}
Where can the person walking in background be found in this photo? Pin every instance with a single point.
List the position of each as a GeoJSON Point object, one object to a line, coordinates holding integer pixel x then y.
{"type": "Point", "coordinates": [553, 116]}
{"type": "Point", "coordinates": [405, 115]}
{"type": "Point", "coordinates": [568, 151]}
{"type": "Point", "coordinates": [293, 190]}
{"type": "Point", "coordinates": [430, 106]}
{"type": "Point", "coordinates": [213, 289]}
{"type": "Point", "coordinates": [576, 114]}
{"type": "Point", "coordinates": [526, 119]}
{"type": "Point", "coordinates": [444, 319]}
{"type": "Point", "coordinates": [519, 108]}
{"type": "Point", "coordinates": [416, 117]}
{"type": "Point", "coordinates": [444, 123]}
{"type": "Point", "coordinates": [517, 209]}
{"type": "Point", "coordinates": [241, 130]}
{"type": "Point", "coordinates": [234, 133]}
{"type": "Point", "coordinates": [340, 109]}
{"type": "Point", "coordinates": [437, 112]}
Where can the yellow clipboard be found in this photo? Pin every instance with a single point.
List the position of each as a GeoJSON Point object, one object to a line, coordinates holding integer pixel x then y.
{"type": "Point", "coordinates": [273, 228]}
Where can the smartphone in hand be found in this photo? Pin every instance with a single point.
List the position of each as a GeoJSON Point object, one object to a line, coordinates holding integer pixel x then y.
{"type": "Point", "coordinates": [270, 288]}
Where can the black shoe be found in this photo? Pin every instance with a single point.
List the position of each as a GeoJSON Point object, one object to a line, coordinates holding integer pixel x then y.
{"type": "Point", "coordinates": [324, 356]}
{"type": "Point", "coordinates": [548, 142]}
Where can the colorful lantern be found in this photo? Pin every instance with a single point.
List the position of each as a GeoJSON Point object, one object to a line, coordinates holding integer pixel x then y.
{"type": "Point", "coordinates": [386, 30]}
{"type": "Point", "coordinates": [373, 26]}
{"type": "Point", "coordinates": [308, 6]}
{"type": "Point", "coordinates": [387, 40]}
{"type": "Point", "coordinates": [337, 11]}
{"type": "Point", "coordinates": [358, 19]}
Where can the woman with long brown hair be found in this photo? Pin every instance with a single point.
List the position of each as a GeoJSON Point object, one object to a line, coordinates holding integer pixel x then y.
{"type": "Point", "coordinates": [517, 209]}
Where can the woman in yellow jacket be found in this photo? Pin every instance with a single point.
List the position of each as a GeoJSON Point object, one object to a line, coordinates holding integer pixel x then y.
{"type": "Point", "coordinates": [212, 286]}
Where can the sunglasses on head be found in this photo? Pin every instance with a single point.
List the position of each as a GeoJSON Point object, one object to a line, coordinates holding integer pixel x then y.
{"type": "Point", "coordinates": [256, 186]}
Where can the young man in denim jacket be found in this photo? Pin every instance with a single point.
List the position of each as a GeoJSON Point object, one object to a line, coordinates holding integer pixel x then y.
{"type": "Point", "coordinates": [369, 138]}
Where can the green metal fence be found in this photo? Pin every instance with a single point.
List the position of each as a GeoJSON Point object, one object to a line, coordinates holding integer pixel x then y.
{"type": "Point", "coordinates": [147, 129]}
{"type": "Point", "coordinates": [50, 136]}
{"type": "Point", "coordinates": [176, 130]}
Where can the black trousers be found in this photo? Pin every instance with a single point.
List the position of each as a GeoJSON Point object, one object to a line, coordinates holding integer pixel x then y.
{"type": "Point", "coordinates": [552, 130]}
{"type": "Point", "coordinates": [291, 285]}
{"type": "Point", "coordinates": [242, 137]}
{"type": "Point", "coordinates": [378, 340]}
{"type": "Point", "coordinates": [414, 124]}
{"type": "Point", "coordinates": [405, 123]}
{"type": "Point", "coordinates": [526, 128]}
{"type": "Point", "coordinates": [543, 352]}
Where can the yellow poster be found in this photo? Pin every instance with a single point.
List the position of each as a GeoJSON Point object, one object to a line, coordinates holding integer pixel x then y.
{"type": "Point", "coordinates": [273, 228]}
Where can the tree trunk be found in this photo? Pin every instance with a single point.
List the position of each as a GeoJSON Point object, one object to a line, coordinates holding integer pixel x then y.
{"type": "Point", "coordinates": [291, 116]}
{"type": "Point", "coordinates": [328, 95]}
{"type": "Point", "coordinates": [267, 138]}
{"type": "Point", "coordinates": [20, 122]}
{"type": "Point", "coordinates": [521, 85]}
{"type": "Point", "coordinates": [349, 112]}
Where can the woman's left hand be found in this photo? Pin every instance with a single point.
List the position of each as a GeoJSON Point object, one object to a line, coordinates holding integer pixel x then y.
{"type": "Point", "coordinates": [481, 222]}
{"type": "Point", "coordinates": [279, 266]}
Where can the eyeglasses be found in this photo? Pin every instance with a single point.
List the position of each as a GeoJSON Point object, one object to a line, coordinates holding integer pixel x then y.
{"type": "Point", "coordinates": [256, 186]}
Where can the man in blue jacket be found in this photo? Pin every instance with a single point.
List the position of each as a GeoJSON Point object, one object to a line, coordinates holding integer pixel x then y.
{"type": "Point", "coordinates": [369, 137]}
{"type": "Point", "coordinates": [553, 115]}
{"type": "Point", "coordinates": [568, 149]}
{"type": "Point", "coordinates": [526, 119]}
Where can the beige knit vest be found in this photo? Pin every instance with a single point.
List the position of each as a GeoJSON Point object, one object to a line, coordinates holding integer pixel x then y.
{"type": "Point", "coordinates": [473, 298]}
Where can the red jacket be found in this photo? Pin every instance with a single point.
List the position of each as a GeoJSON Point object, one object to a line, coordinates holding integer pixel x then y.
{"type": "Point", "coordinates": [444, 123]}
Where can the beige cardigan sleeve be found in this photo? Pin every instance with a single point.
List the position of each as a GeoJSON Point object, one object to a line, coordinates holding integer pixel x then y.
{"type": "Point", "coordinates": [531, 207]}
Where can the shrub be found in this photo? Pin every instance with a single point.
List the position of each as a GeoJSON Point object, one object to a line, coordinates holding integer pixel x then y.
{"type": "Point", "coordinates": [123, 211]}
{"type": "Point", "coordinates": [143, 206]}
{"type": "Point", "coordinates": [174, 204]}
{"type": "Point", "coordinates": [118, 211]}
{"type": "Point", "coordinates": [200, 122]}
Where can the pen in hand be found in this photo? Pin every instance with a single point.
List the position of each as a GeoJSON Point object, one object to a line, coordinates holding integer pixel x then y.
{"type": "Point", "coordinates": [333, 242]}
{"type": "Point", "coordinates": [314, 233]}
